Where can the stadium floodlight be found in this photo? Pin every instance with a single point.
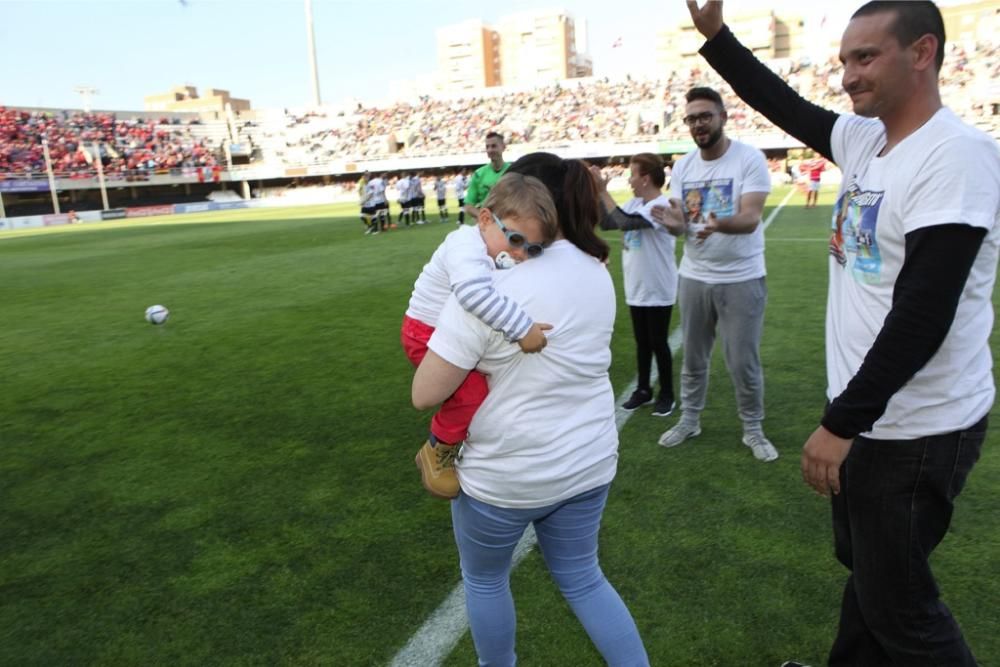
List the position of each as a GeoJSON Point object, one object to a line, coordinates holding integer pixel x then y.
{"type": "Point", "coordinates": [86, 92]}
{"type": "Point", "coordinates": [100, 175]}
{"type": "Point", "coordinates": [52, 176]}
{"type": "Point", "coordinates": [311, 42]}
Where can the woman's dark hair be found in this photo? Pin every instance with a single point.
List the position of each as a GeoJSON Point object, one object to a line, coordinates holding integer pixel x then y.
{"type": "Point", "coordinates": [575, 194]}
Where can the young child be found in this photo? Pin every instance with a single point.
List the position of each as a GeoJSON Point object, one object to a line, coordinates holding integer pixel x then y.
{"type": "Point", "coordinates": [516, 221]}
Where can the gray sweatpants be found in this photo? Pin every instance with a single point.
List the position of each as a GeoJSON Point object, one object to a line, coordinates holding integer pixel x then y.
{"type": "Point", "coordinates": [736, 310]}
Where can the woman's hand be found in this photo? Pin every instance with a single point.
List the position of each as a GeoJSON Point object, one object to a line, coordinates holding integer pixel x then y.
{"type": "Point", "coordinates": [671, 217]}
{"type": "Point", "coordinates": [599, 180]}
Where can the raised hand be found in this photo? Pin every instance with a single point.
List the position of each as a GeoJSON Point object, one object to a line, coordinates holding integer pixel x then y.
{"type": "Point", "coordinates": [599, 179]}
{"type": "Point", "coordinates": [707, 19]}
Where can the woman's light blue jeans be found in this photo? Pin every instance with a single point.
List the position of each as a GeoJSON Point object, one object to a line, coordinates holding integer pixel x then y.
{"type": "Point", "coordinates": [567, 535]}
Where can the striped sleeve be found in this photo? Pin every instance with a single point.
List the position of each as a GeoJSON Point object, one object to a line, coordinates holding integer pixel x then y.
{"type": "Point", "coordinates": [480, 298]}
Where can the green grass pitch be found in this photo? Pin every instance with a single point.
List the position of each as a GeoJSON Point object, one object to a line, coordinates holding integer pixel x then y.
{"type": "Point", "coordinates": [236, 487]}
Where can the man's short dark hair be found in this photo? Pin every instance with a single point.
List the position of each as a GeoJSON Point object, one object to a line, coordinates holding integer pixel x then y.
{"type": "Point", "coordinates": [914, 19]}
{"type": "Point", "coordinates": [705, 94]}
{"type": "Point", "coordinates": [490, 135]}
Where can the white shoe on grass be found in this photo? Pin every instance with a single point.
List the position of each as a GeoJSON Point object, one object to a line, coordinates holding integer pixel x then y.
{"type": "Point", "coordinates": [761, 447]}
{"type": "Point", "coordinates": [678, 433]}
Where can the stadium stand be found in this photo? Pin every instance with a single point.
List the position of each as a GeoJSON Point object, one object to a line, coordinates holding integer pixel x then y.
{"type": "Point", "coordinates": [595, 116]}
{"type": "Point", "coordinates": [129, 147]}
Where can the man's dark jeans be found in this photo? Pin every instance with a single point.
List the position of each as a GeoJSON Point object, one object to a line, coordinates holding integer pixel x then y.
{"type": "Point", "coordinates": [894, 507]}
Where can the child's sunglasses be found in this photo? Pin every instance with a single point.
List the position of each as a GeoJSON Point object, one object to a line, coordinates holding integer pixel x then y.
{"type": "Point", "coordinates": [517, 240]}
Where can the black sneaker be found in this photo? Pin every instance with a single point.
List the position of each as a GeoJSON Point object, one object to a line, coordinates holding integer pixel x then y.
{"type": "Point", "coordinates": [792, 663]}
{"type": "Point", "coordinates": [664, 407]}
{"type": "Point", "coordinates": [638, 397]}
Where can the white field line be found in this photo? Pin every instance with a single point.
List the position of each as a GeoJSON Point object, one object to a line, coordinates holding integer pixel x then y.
{"type": "Point", "coordinates": [439, 634]}
{"type": "Point", "coordinates": [777, 210]}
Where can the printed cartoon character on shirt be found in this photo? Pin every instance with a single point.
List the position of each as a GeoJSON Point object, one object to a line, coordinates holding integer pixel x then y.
{"type": "Point", "coordinates": [703, 198]}
{"type": "Point", "coordinates": [854, 243]}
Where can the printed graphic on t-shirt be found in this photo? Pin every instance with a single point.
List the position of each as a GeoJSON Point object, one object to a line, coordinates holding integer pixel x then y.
{"type": "Point", "coordinates": [632, 239]}
{"type": "Point", "coordinates": [704, 197]}
{"type": "Point", "coordinates": [853, 243]}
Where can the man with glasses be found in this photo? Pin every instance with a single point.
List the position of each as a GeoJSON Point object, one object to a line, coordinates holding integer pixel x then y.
{"type": "Point", "coordinates": [717, 196]}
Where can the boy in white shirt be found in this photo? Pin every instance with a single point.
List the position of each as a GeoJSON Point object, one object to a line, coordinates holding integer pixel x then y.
{"type": "Point", "coordinates": [517, 220]}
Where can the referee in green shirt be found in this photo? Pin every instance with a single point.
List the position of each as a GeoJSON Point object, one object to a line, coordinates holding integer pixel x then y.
{"type": "Point", "coordinates": [486, 176]}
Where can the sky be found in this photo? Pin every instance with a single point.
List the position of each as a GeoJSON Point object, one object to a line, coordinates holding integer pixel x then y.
{"type": "Point", "coordinates": [256, 49]}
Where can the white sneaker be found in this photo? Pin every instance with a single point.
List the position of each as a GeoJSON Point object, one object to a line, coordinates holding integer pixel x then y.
{"type": "Point", "coordinates": [762, 448]}
{"type": "Point", "coordinates": [678, 433]}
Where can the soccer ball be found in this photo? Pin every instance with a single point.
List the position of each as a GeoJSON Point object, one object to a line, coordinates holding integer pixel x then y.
{"type": "Point", "coordinates": [157, 314]}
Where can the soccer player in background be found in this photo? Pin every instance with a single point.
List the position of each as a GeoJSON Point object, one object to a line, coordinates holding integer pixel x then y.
{"type": "Point", "coordinates": [486, 176]}
{"type": "Point", "coordinates": [417, 198]}
{"type": "Point", "coordinates": [461, 183]}
{"type": "Point", "coordinates": [405, 203]}
{"type": "Point", "coordinates": [815, 169]}
{"type": "Point", "coordinates": [441, 191]}
{"type": "Point", "coordinates": [375, 195]}
{"type": "Point", "coordinates": [367, 209]}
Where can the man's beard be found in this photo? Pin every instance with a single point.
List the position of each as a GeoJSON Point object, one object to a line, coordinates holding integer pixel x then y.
{"type": "Point", "coordinates": [711, 140]}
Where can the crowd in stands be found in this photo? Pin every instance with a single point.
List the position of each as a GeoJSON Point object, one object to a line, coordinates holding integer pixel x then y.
{"type": "Point", "coordinates": [129, 148]}
{"type": "Point", "coordinates": [579, 111]}
{"type": "Point", "coordinates": [599, 110]}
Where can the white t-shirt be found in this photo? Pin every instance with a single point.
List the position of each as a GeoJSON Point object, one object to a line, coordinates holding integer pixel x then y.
{"type": "Point", "coordinates": [416, 188]}
{"type": "Point", "coordinates": [716, 186]}
{"type": "Point", "coordinates": [461, 182]}
{"type": "Point", "coordinates": [648, 261]}
{"type": "Point", "coordinates": [403, 188]}
{"type": "Point", "coordinates": [440, 188]}
{"type": "Point", "coordinates": [945, 172]}
{"type": "Point", "coordinates": [462, 265]}
{"type": "Point", "coordinates": [461, 256]}
{"type": "Point", "coordinates": [546, 431]}
{"type": "Point", "coordinates": [375, 192]}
